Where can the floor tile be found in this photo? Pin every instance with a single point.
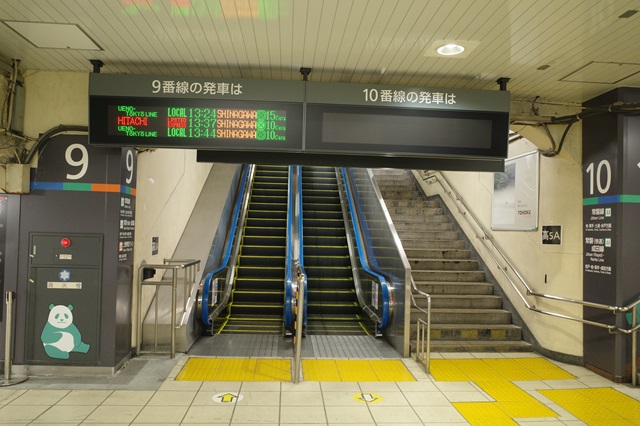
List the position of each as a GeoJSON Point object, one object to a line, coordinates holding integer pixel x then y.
{"type": "Point", "coordinates": [40, 397]}
{"type": "Point", "coordinates": [85, 397]}
{"type": "Point", "coordinates": [339, 386]}
{"type": "Point", "coordinates": [305, 386]}
{"type": "Point", "coordinates": [21, 414]}
{"type": "Point", "coordinates": [220, 386]}
{"type": "Point", "coordinates": [172, 385]}
{"type": "Point", "coordinates": [435, 414]}
{"type": "Point", "coordinates": [209, 415]}
{"type": "Point", "coordinates": [158, 415]}
{"type": "Point", "coordinates": [260, 386]}
{"type": "Point", "coordinates": [352, 415]}
{"type": "Point", "coordinates": [255, 414]}
{"type": "Point", "coordinates": [106, 414]}
{"type": "Point", "coordinates": [396, 415]}
{"type": "Point", "coordinates": [380, 386]}
{"type": "Point", "coordinates": [259, 398]}
{"type": "Point", "coordinates": [466, 396]}
{"type": "Point", "coordinates": [418, 387]}
{"type": "Point", "coordinates": [301, 399]}
{"type": "Point", "coordinates": [164, 398]}
{"type": "Point", "coordinates": [302, 415]}
{"type": "Point", "coordinates": [65, 414]}
{"type": "Point", "coordinates": [341, 399]}
{"type": "Point", "coordinates": [126, 397]}
{"type": "Point", "coordinates": [426, 399]}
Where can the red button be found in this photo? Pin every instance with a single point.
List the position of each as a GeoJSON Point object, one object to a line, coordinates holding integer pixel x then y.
{"type": "Point", "coordinates": [65, 242]}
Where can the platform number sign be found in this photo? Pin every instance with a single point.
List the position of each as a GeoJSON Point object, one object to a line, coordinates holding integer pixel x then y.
{"type": "Point", "coordinates": [77, 156]}
{"type": "Point", "coordinates": [599, 177]}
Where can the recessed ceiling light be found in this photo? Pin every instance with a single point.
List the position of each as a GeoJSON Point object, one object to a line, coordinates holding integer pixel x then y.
{"type": "Point", "coordinates": [450, 49]}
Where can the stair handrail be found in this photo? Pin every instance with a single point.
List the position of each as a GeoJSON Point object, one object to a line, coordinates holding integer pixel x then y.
{"type": "Point", "coordinates": [368, 264]}
{"type": "Point", "coordinates": [486, 236]}
{"type": "Point", "coordinates": [294, 264]}
{"type": "Point", "coordinates": [456, 197]}
{"type": "Point", "coordinates": [232, 250]}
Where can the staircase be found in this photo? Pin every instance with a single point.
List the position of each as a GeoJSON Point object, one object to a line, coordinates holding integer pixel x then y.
{"type": "Point", "coordinates": [332, 304]}
{"type": "Point", "coordinates": [466, 316]}
{"type": "Point", "coordinates": [257, 301]}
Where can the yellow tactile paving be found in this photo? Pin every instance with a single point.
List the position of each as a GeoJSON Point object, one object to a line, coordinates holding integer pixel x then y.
{"type": "Point", "coordinates": [597, 406]}
{"type": "Point", "coordinates": [356, 371]}
{"type": "Point", "coordinates": [235, 369]}
{"type": "Point", "coordinates": [483, 413]}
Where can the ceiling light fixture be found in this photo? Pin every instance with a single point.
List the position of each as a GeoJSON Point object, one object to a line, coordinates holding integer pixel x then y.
{"type": "Point", "coordinates": [450, 49]}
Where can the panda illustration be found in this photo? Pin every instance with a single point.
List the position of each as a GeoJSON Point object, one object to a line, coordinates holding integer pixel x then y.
{"type": "Point", "coordinates": [60, 336]}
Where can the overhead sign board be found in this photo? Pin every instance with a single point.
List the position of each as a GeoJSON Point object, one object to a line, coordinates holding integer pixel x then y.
{"type": "Point", "coordinates": [298, 119]}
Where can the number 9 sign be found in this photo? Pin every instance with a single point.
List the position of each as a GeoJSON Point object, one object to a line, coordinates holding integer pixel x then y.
{"type": "Point", "coordinates": [82, 162]}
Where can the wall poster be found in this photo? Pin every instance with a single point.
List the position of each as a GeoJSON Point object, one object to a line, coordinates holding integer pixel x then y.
{"type": "Point", "coordinates": [514, 205]}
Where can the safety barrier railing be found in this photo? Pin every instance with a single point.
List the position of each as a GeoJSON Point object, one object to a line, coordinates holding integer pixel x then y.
{"type": "Point", "coordinates": [209, 294]}
{"type": "Point", "coordinates": [170, 279]}
{"type": "Point", "coordinates": [501, 259]}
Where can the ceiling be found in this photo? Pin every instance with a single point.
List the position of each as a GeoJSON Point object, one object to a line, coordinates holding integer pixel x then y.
{"type": "Point", "coordinates": [561, 51]}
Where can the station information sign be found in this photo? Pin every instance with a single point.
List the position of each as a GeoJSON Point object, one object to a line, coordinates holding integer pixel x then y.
{"type": "Point", "coordinates": [298, 118]}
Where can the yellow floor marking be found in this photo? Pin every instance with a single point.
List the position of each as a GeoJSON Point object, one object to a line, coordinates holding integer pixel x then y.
{"type": "Point", "coordinates": [236, 369]}
{"type": "Point", "coordinates": [341, 370]}
{"type": "Point", "coordinates": [597, 406]}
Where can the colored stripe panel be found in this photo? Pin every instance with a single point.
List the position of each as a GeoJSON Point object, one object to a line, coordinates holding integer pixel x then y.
{"type": "Point", "coordinates": [83, 187]}
{"type": "Point", "coordinates": [611, 199]}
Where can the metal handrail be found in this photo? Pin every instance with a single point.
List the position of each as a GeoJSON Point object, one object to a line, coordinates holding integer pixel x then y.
{"type": "Point", "coordinates": [455, 197]}
{"type": "Point", "coordinates": [174, 266]}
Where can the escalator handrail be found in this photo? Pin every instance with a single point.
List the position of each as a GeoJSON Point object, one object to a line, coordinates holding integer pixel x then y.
{"type": "Point", "coordinates": [362, 249]}
{"type": "Point", "coordinates": [300, 235]}
{"type": "Point", "coordinates": [206, 287]}
{"type": "Point", "coordinates": [288, 279]}
{"type": "Point", "coordinates": [294, 260]}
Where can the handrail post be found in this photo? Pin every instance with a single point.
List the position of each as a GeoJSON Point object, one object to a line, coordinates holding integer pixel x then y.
{"type": "Point", "coordinates": [174, 296]}
{"type": "Point", "coordinates": [8, 340]}
{"type": "Point", "coordinates": [634, 349]}
{"type": "Point", "coordinates": [297, 361]}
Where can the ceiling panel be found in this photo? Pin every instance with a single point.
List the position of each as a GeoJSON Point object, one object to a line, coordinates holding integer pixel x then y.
{"type": "Point", "coordinates": [375, 41]}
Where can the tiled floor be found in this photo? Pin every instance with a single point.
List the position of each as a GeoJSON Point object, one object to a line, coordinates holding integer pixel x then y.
{"type": "Point", "coordinates": [476, 398]}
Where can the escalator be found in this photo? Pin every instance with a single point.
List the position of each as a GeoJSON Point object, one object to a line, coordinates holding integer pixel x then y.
{"type": "Point", "coordinates": [256, 303]}
{"type": "Point", "coordinates": [332, 306]}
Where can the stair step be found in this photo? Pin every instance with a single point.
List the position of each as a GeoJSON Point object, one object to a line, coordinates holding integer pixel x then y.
{"type": "Point", "coordinates": [460, 301]}
{"type": "Point", "coordinates": [423, 227]}
{"type": "Point", "coordinates": [419, 202]}
{"type": "Point", "coordinates": [472, 332]}
{"type": "Point", "coordinates": [457, 276]}
{"type": "Point", "coordinates": [465, 316]}
{"type": "Point", "coordinates": [428, 235]}
{"type": "Point", "coordinates": [443, 264]}
{"type": "Point", "coordinates": [440, 287]}
{"type": "Point", "coordinates": [479, 346]}
{"type": "Point", "coordinates": [428, 253]}
{"type": "Point", "coordinates": [411, 243]}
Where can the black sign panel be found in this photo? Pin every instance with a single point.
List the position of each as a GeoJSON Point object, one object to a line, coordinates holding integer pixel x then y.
{"type": "Point", "coordinates": [238, 117]}
{"type": "Point", "coordinates": [552, 235]}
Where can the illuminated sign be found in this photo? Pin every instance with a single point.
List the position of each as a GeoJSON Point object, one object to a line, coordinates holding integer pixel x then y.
{"type": "Point", "coordinates": [196, 122]}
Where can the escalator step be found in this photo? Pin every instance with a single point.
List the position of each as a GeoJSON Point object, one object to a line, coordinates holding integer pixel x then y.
{"type": "Point", "coordinates": [261, 260]}
{"type": "Point", "coordinates": [327, 261]}
{"type": "Point", "coordinates": [253, 297]}
{"type": "Point", "coordinates": [330, 283]}
{"type": "Point", "coordinates": [266, 224]}
{"type": "Point", "coordinates": [328, 271]}
{"type": "Point", "coordinates": [248, 250]}
{"type": "Point", "coordinates": [259, 284]}
{"type": "Point", "coordinates": [263, 213]}
{"type": "Point", "coordinates": [310, 250]}
{"type": "Point", "coordinates": [322, 214]}
{"type": "Point", "coordinates": [264, 240]}
{"type": "Point", "coordinates": [261, 272]}
{"type": "Point", "coordinates": [265, 232]}
{"type": "Point", "coordinates": [315, 231]}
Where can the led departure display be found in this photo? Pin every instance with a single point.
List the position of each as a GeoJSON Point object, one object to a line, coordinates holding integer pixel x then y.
{"type": "Point", "coordinates": [197, 122]}
{"type": "Point", "coordinates": [189, 123]}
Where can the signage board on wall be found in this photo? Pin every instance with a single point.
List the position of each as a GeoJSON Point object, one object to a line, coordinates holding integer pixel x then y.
{"type": "Point", "coordinates": [514, 204]}
{"type": "Point", "coordinates": [552, 235]}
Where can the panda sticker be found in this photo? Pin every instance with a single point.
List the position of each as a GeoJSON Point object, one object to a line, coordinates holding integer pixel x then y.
{"type": "Point", "coordinates": [60, 336]}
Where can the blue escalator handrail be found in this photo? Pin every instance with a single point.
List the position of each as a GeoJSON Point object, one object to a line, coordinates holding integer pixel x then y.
{"type": "Point", "coordinates": [384, 321]}
{"type": "Point", "coordinates": [301, 239]}
{"type": "Point", "coordinates": [206, 287]}
{"type": "Point", "coordinates": [288, 291]}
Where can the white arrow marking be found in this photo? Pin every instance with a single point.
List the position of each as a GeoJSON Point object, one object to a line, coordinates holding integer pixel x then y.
{"type": "Point", "coordinates": [367, 397]}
